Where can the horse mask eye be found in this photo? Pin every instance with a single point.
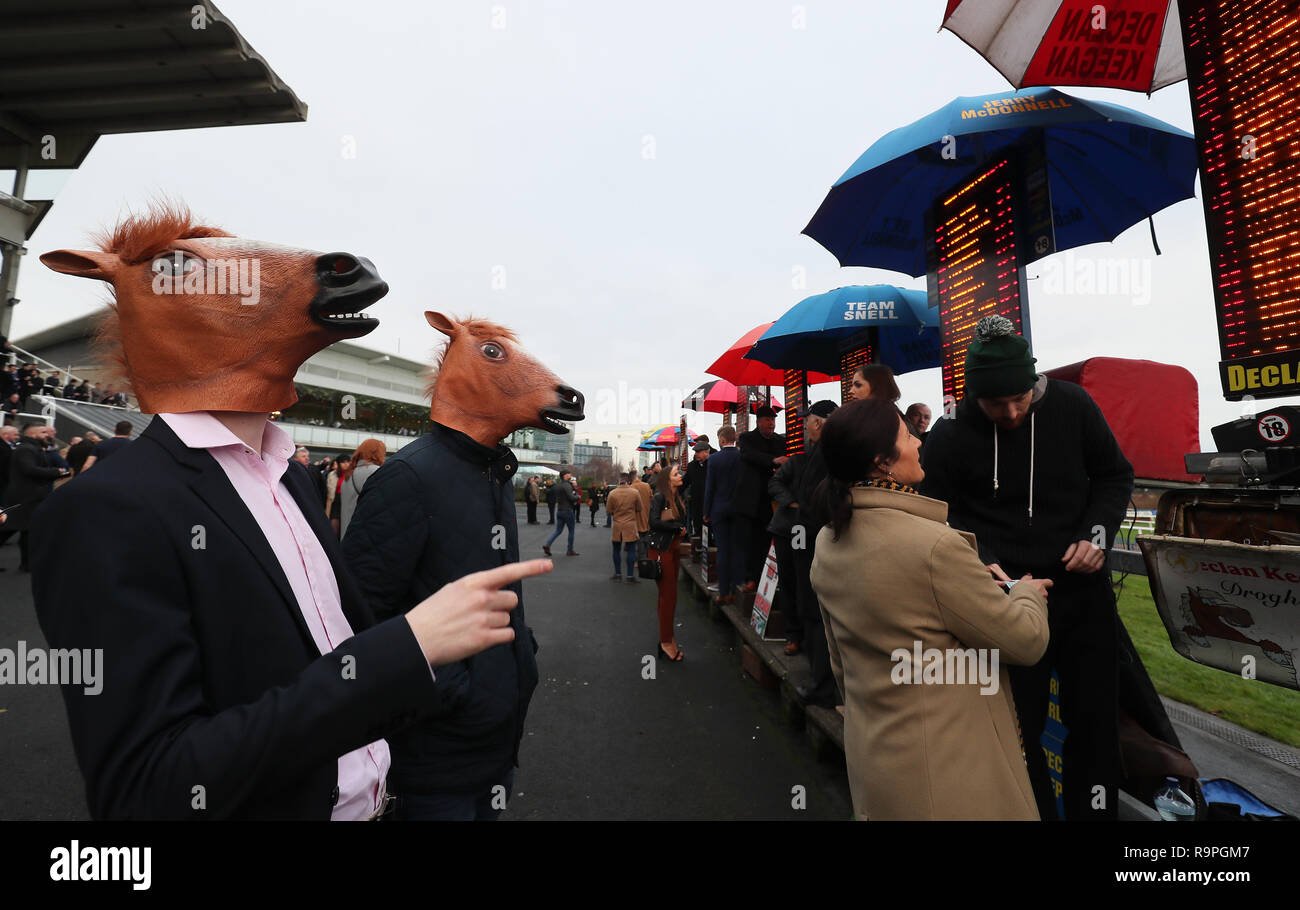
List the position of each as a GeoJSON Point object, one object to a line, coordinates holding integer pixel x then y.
{"type": "Point", "coordinates": [176, 264]}
{"type": "Point", "coordinates": [493, 351]}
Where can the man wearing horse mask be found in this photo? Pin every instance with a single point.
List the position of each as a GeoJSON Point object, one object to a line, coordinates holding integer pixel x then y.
{"type": "Point", "coordinates": [241, 673]}
{"type": "Point", "coordinates": [441, 507]}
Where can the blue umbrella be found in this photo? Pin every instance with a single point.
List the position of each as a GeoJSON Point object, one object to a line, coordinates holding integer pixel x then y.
{"type": "Point", "coordinates": [811, 333]}
{"type": "Point", "coordinates": [1109, 167]}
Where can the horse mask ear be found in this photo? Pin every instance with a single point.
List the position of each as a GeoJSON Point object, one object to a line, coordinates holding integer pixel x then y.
{"type": "Point", "coordinates": [448, 327]}
{"type": "Point", "coordinates": [83, 263]}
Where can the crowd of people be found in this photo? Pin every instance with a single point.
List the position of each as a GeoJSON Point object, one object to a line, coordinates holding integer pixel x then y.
{"type": "Point", "coordinates": [895, 540]}
{"type": "Point", "coordinates": [33, 463]}
{"type": "Point", "coordinates": [892, 537]}
{"type": "Point", "coordinates": [19, 383]}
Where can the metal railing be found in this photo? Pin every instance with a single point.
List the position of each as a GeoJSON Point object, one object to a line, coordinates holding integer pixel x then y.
{"type": "Point", "coordinates": [44, 364]}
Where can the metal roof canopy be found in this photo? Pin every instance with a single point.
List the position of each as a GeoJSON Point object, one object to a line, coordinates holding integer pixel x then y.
{"type": "Point", "coordinates": [78, 69]}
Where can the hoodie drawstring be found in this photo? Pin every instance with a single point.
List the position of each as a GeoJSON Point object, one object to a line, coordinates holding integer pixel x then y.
{"type": "Point", "coordinates": [1033, 435]}
{"type": "Point", "coordinates": [995, 461]}
{"type": "Point", "coordinates": [1032, 430]}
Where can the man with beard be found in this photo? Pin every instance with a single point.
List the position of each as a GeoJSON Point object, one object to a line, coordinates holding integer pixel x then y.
{"type": "Point", "coordinates": [1029, 465]}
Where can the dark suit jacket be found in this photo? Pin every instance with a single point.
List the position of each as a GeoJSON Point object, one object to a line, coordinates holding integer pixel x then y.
{"type": "Point", "coordinates": [756, 454]}
{"type": "Point", "coordinates": [210, 676]}
{"type": "Point", "coordinates": [30, 479]}
{"type": "Point", "coordinates": [720, 483]}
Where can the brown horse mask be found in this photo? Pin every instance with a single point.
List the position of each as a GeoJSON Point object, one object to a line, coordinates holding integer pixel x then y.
{"type": "Point", "coordinates": [487, 386]}
{"type": "Point", "coordinates": [204, 321]}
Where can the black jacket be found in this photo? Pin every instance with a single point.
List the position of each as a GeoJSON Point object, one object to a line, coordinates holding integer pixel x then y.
{"type": "Point", "coordinates": [756, 469]}
{"type": "Point", "coordinates": [429, 516]}
{"type": "Point", "coordinates": [796, 481]}
{"type": "Point", "coordinates": [1081, 480]}
{"type": "Point", "coordinates": [210, 676]}
{"type": "Point", "coordinates": [693, 485]}
{"type": "Point", "coordinates": [662, 532]}
{"type": "Point", "coordinates": [30, 481]}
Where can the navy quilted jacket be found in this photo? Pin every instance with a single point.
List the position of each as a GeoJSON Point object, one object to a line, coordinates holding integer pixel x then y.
{"type": "Point", "coordinates": [439, 509]}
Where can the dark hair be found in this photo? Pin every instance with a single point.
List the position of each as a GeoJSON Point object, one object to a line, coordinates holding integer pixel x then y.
{"type": "Point", "coordinates": [857, 434]}
{"type": "Point", "coordinates": [664, 485]}
{"type": "Point", "coordinates": [123, 427]}
{"type": "Point", "coordinates": [881, 380]}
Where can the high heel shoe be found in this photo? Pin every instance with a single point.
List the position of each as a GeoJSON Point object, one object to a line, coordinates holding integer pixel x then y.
{"type": "Point", "coordinates": [664, 654]}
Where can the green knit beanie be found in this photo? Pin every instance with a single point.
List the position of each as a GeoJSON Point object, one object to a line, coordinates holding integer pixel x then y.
{"type": "Point", "coordinates": [998, 362]}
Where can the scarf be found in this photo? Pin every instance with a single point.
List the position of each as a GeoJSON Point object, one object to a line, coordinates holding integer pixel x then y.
{"type": "Point", "coordinates": [887, 485]}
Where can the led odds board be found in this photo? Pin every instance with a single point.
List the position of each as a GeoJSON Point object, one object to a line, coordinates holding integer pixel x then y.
{"type": "Point", "coordinates": [974, 262]}
{"type": "Point", "coordinates": [1243, 70]}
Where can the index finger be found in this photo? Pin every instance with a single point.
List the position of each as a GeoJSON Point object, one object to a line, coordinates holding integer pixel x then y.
{"type": "Point", "coordinates": [996, 571]}
{"type": "Point", "coordinates": [508, 574]}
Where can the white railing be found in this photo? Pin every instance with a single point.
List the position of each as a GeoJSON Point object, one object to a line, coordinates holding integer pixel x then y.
{"type": "Point", "coordinates": [22, 417]}
{"type": "Point", "coordinates": [44, 364]}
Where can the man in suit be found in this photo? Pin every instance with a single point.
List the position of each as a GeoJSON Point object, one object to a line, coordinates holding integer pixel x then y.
{"type": "Point", "coordinates": [31, 475]}
{"type": "Point", "coordinates": [762, 451]}
{"type": "Point", "coordinates": [719, 514]}
{"type": "Point", "coordinates": [241, 674]}
{"type": "Point", "coordinates": [693, 486]}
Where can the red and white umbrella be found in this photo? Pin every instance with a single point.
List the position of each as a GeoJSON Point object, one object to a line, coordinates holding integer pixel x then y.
{"type": "Point", "coordinates": [1128, 44]}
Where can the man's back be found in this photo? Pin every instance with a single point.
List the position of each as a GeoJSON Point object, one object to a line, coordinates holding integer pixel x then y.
{"type": "Point", "coordinates": [110, 446]}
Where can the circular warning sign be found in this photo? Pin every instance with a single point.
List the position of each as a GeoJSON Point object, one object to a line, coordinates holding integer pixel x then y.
{"type": "Point", "coordinates": [1273, 428]}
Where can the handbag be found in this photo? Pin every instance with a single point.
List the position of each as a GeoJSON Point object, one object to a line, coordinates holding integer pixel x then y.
{"type": "Point", "coordinates": [650, 569]}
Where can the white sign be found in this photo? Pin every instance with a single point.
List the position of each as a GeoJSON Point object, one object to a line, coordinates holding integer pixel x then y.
{"type": "Point", "coordinates": [1228, 605]}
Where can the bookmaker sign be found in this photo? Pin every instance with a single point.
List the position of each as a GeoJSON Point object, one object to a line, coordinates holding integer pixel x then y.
{"type": "Point", "coordinates": [1228, 605]}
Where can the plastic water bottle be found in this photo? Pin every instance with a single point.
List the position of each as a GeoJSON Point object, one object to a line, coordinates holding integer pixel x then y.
{"type": "Point", "coordinates": [1173, 804]}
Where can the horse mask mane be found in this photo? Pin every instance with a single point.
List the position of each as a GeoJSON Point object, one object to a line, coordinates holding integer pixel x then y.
{"type": "Point", "coordinates": [487, 386]}
{"type": "Point", "coordinates": [206, 321]}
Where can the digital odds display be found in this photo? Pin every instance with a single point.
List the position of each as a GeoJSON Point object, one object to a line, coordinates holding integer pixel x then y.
{"type": "Point", "coordinates": [974, 264]}
{"type": "Point", "coordinates": [796, 399]}
{"type": "Point", "coordinates": [1243, 70]}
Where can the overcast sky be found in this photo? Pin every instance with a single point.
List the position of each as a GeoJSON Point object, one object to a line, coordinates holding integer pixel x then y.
{"type": "Point", "coordinates": [636, 175]}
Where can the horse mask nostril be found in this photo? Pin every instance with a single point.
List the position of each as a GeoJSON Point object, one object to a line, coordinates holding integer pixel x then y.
{"type": "Point", "coordinates": [570, 396]}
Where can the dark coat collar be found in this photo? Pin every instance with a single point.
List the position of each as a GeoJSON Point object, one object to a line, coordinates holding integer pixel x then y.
{"type": "Point", "coordinates": [498, 459]}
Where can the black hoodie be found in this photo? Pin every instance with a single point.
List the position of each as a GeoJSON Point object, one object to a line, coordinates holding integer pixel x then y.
{"type": "Point", "coordinates": [1081, 481]}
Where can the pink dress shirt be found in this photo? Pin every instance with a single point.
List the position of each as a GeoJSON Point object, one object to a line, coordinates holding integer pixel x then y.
{"type": "Point", "coordinates": [258, 479]}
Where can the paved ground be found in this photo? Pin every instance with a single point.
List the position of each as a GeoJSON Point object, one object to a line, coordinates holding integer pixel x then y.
{"type": "Point", "coordinates": [699, 741]}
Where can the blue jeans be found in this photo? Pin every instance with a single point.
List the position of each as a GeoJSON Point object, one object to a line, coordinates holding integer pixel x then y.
{"type": "Point", "coordinates": [629, 548]}
{"type": "Point", "coordinates": [562, 518]}
{"type": "Point", "coordinates": [453, 807]}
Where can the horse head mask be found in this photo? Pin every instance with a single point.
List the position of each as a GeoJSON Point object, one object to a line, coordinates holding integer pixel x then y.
{"type": "Point", "coordinates": [487, 386]}
{"type": "Point", "coordinates": [205, 321]}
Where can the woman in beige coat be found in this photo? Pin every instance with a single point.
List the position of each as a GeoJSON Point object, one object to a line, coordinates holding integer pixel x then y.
{"type": "Point", "coordinates": [919, 635]}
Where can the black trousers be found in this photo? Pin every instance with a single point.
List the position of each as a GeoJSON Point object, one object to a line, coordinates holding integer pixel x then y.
{"type": "Point", "coordinates": [757, 542]}
{"type": "Point", "coordinates": [787, 588]}
{"type": "Point", "coordinates": [1084, 652]}
{"type": "Point", "coordinates": [532, 513]}
{"type": "Point", "coordinates": [550, 507]}
{"type": "Point", "coordinates": [814, 630]}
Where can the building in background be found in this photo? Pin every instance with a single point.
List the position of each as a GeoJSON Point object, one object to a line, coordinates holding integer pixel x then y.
{"type": "Point", "coordinates": [346, 393]}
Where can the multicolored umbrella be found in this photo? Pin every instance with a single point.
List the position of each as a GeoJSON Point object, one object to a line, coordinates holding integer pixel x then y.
{"type": "Point", "coordinates": [1127, 44]}
{"type": "Point", "coordinates": [721, 397]}
{"type": "Point", "coordinates": [733, 367]}
{"type": "Point", "coordinates": [665, 436]}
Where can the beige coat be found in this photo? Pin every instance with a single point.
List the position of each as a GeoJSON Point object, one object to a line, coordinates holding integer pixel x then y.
{"type": "Point", "coordinates": [625, 512]}
{"type": "Point", "coordinates": [643, 490]}
{"type": "Point", "coordinates": [939, 749]}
